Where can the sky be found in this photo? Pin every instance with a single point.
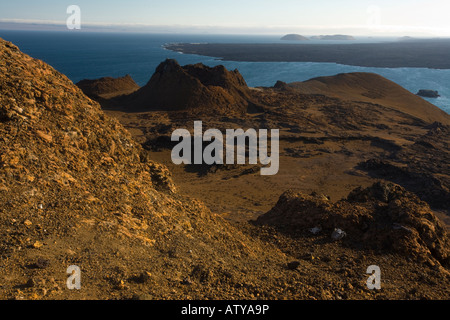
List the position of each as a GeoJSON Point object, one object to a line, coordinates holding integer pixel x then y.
{"type": "Point", "coordinates": [308, 17]}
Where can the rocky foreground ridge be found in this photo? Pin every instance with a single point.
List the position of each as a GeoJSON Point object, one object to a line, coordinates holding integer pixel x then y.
{"type": "Point", "coordinates": [76, 189]}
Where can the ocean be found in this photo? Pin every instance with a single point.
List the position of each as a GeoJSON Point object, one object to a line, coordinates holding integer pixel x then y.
{"type": "Point", "coordinates": [84, 55]}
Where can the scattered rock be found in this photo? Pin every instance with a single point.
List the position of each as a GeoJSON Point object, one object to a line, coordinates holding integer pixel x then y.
{"type": "Point", "coordinates": [42, 263]}
{"type": "Point", "coordinates": [293, 265]}
{"type": "Point", "coordinates": [44, 136]}
{"type": "Point", "coordinates": [315, 230]}
{"type": "Point", "coordinates": [37, 245]}
{"type": "Point", "coordinates": [121, 286]}
{"type": "Point", "coordinates": [30, 283]}
{"type": "Point", "coordinates": [201, 274]}
{"type": "Point", "coordinates": [144, 277]}
{"type": "Point", "coordinates": [280, 85]}
{"type": "Point", "coordinates": [338, 234]}
{"type": "Point", "coordinates": [428, 93]}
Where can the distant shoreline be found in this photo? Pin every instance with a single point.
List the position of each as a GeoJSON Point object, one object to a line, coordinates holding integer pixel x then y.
{"type": "Point", "coordinates": [433, 54]}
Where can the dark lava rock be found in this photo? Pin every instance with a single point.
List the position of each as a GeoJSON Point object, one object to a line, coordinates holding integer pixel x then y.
{"type": "Point", "coordinates": [42, 263]}
{"type": "Point", "coordinates": [281, 85]}
{"type": "Point", "coordinates": [193, 88]}
{"type": "Point", "coordinates": [293, 265]}
{"type": "Point", "coordinates": [384, 217]}
{"type": "Point", "coordinates": [428, 93]}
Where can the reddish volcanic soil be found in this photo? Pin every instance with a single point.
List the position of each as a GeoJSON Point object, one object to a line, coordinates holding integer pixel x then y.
{"type": "Point", "coordinates": [88, 187]}
{"type": "Point", "coordinates": [330, 127]}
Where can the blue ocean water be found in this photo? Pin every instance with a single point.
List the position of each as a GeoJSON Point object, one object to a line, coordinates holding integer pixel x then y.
{"type": "Point", "coordinates": [93, 55]}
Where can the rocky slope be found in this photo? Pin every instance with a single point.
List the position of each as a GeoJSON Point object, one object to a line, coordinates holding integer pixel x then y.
{"type": "Point", "coordinates": [370, 87]}
{"type": "Point", "coordinates": [77, 189]}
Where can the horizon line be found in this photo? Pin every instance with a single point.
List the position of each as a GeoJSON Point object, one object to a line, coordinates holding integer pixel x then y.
{"type": "Point", "coordinates": [357, 31]}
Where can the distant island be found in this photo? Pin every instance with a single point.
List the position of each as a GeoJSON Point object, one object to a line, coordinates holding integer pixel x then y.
{"type": "Point", "coordinates": [333, 37]}
{"type": "Point", "coordinates": [298, 37]}
{"type": "Point", "coordinates": [430, 53]}
{"type": "Point", "coordinates": [406, 38]}
{"type": "Point", "coordinates": [294, 37]}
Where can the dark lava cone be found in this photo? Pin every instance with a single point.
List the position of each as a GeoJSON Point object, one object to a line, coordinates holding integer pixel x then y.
{"type": "Point", "coordinates": [108, 86]}
{"type": "Point", "coordinates": [194, 88]}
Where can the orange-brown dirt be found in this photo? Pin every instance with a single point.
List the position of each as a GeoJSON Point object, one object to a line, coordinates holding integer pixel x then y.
{"type": "Point", "coordinates": [77, 188]}
{"type": "Point", "coordinates": [372, 88]}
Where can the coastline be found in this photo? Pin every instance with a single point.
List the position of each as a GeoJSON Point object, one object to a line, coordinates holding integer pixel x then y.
{"type": "Point", "coordinates": [403, 54]}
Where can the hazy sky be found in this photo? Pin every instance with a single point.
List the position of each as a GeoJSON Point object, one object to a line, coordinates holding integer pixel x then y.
{"type": "Point", "coordinates": [358, 17]}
